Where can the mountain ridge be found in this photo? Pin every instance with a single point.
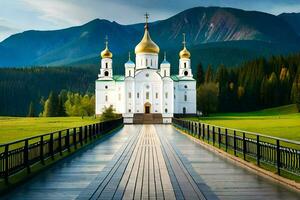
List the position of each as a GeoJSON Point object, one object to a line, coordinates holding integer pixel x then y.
{"type": "Point", "coordinates": [203, 25]}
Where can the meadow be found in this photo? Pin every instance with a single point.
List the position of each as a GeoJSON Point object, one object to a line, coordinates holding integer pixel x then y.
{"type": "Point", "coordinates": [282, 122]}
{"type": "Point", "coordinates": [16, 128]}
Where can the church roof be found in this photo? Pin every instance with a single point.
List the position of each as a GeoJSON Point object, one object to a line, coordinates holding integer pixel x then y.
{"type": "Point", "coordinates": [118, 77]}
{"type": "Point", "coordinates": [177, 78]}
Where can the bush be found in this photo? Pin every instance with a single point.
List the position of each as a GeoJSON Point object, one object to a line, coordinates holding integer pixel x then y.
{"type": "Point", "coordinates": [108, 113]}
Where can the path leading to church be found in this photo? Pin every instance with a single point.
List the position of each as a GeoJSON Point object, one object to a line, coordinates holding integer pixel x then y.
{"type": "Point", "coordinates": [148, 162]}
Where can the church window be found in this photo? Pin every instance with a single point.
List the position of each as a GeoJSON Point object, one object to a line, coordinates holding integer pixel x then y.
{"type": "Point", "coordinates": [147, 75]}
{"type": "Point", "coordinates": [106, 87]}
{"type": "Point", "coordinates": [166, 110]}
{"type": "Point", "coordinates": [146, 62]}
{"type": "Point", "coordinates": [129, 110]}
{"type": "Point", "coordinates": [184, 110]}
{"type": "Point", "coordinates": [156, 95]}
{"type": "Point", "coordinates": [106, 65]}
{"type": "Point", "coordinates": [185, 86]}
{"type": "Point", "coordinates": [147, 95]}
{"type": "Point", "coordinates": [106, 98]}
{"type": "Point", "coordinates": [165, 73]}
{"type": "Point", "coordinates": [166, 95]}
{"type": "Point", "coordinates": [186, 73]}
{"type": "Point", "coordinates": [138, 95]}
{"type": "Point", "coordinates": [185, 65]}
{"type": "Point", "coordinates": [147, 86]}
{"type": "Point", "coordinates": [185, 97]}
{"type": "Point", "coordinates": [129, 95]}
{"type": "Point", "coordinates": [106, 73]}
{"type": "Point", "coordinates": [129, 73]}
{"type": "Point", "coordinates": [151, 62]}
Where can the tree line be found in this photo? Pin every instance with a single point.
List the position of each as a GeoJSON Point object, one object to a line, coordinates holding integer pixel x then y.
{"type": "Point", "coordinates": [254, 85]}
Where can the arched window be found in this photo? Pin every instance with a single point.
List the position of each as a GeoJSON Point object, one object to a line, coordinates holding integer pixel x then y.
{"type": "Point", "coordinates": [106, 73]}
{"type": "Point", "coordinates": [147, 95]}
{"type": "Point", "coordinates": [129, 95]}
{"type": "Point", "coordinates": [138, 95]}
{"type": "Point", "coordinates": [106, 98]}
{"type": "Point", "coordinates": [106, 65]}
{"type": "Point", "coordinates": [184, 110]}
{"type": "Point", "coordinates": [156, 95]}
{"type": "Point", "coordinates": [166, 110]}
{"type": "Point", "coordinates": [151, 62]}
{"type": "Point", "coordinates": [166, 95]}
{"type": "Point", "coordinates": [186, 73]}
{"type": "Point", "coordinates": [165, 73]}
{"type": "Point", "coordinates": [129, 72]}
{"type": "Point", "coordinates": [146, 62]}
{"type": "Point", "coordinates": [185, 97]}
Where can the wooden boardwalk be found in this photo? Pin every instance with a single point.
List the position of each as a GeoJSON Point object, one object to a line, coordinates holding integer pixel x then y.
{"type": "Point", "coordinates": [148, 162]}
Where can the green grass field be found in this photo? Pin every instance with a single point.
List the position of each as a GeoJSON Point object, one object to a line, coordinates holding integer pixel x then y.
{"type": "Point", "coordinates": [283, 122]}
{"type": "Point", "coordinates": [16, 128]}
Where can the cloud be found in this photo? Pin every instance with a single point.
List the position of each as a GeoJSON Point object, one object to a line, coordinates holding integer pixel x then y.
{"type": "Point", "coordinates": [6, 29]}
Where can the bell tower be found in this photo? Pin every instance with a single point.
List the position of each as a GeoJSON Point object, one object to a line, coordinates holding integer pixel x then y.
{"type": "Point", "coordinates": [185, 61]}
{"type": "Point", "coordinates": [106, 70]}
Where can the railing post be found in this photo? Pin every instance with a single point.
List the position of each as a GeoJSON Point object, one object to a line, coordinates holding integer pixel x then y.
{"type": "Point", "coordinates": [219, 137]}
{"type": "Point", "coordinates": [51, 147]}
{"type": "Point", "coordinates": [234, 142]}
{"type": "Point", "coordinates": [80, 136]}
{"type": "Point", "coordinates": [6, 163]}
{"type": "Point", "coordinates": [208, 134]}
{"type": "Point", "coordinates": [85, 134]}
{"type": "Point", "coordinates": [59, 143]}
{"type": "Point", "coordinates": [257, 150]}
{"type": "Point", "coordinates": [68, 140]}
{"type": "Point", "coordinates": [90, 132]}
{"type": "Point", "coordinates": [203, 131]}
{"type": "Point", "coordinates": [42, 150]}
{"type": "Point", "coordinates": [244, 146]}
{"type": "Point", "coordinates": [278, 156]}
{"type": "Point", "coordinates": [94, 131]}
{"type": "Point", "coordinates": [26, 156]}
{"type": "Point", "coordinates": [226, 139]}
{"type": "Point", "coordinates": [74, 138]}
{"type": "Point", "coordinates": [214, 137]}
{"type": "Point", "coordinates": [198, 130]}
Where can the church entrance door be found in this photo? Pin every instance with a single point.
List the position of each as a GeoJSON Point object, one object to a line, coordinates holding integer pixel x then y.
{"type": "Point", "coordinates": [147, 108]}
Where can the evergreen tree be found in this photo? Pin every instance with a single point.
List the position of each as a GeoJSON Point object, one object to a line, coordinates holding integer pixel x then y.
{"type": "Point", "coordinates": [200, 74]}
{"type": "Point", "coordinates": [208, 74]}
{"type": "Point", "coordinates": [207, 98]}
{"type": "Point", "coordinates": [51, 107]}
{"type": "Point", "coordinates": [108, 113]}
{"type": "Point", "coordinates": [31, 112]}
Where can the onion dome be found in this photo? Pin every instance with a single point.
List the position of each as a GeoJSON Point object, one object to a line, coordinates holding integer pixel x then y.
{"type": "Point", "coordinates": [106, 53]}
{"type": "Point", "coordinates": [146, 45]}
{"type": "Point", "coordinates": [184, 53]}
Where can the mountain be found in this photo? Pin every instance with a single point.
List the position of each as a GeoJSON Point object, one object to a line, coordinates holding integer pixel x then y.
{"type": "Point", "coordinates": [293, 19]}
{"type": "Point", "coordinates": [232, 35]}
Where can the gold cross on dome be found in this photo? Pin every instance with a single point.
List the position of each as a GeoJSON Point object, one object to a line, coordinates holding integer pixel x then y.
{"type": "Point", "coordinates": [106, 41]}
{"type": "Point", "coordinates": [184, 42]}
{"type": "Point", "coordinates": [146, 17]}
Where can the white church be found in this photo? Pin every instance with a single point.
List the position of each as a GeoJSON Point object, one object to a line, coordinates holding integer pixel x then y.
{"type": "Point", "coordinates": [146, 93]}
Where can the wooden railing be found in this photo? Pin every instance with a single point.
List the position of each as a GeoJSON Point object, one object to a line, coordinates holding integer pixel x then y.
{"type": "Point", "coordinates": [21, 154]}
{"type": "Point", "coordinates": [284, 155]}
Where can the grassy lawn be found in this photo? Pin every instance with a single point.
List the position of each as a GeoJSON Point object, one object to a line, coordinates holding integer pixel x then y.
{"type": "Point", "coordinates": [283, 122]}
{"type": "Point", "coordinates": [16, 128]}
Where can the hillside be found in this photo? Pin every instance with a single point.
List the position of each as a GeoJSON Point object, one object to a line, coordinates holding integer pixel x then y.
{"type": "Point", "coordinates": [280, 122]}
{"type": "Point", "coordinates": [203, 26]}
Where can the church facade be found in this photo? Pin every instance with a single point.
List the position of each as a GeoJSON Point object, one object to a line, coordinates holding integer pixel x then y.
{"type": "Point", "coordinates": [146, 88]}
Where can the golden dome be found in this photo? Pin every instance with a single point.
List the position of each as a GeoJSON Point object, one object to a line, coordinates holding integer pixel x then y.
{"type": "Point", "coordinates": [106, 53]}
{"type": "Point", "coordinates": [146, 45]}
{"type": "Point", "coordinates": [184, 53]}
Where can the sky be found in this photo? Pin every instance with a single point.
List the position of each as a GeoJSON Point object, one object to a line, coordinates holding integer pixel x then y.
{"type": "Point", "coordinates": [20, 15]}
